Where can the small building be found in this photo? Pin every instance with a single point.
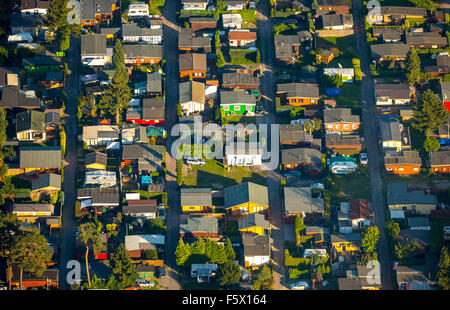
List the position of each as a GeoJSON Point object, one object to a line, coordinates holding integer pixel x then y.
{"type": "Point", "coordinates": [388, 34]}
{"type": "Point", "coordinates": [203, 272]}
{"type": "Point", "coordinates": [248, 155]}
{"type": "Point", "coordinates": [48, 279]}
{"type": "Point", "coordinates": [103, 12]}
{"type": "Point", "coordinates": [192, 97]}
{"type": "Point", "coordinates": [151, 112]}
{"type": "Point", "coordinates": [138, 9]}
{"type": "Point", "coordinates": [336, 6]}
{"type": "Point", "coordinates": [256, 249]}
{"type": "Point", "coordinates": [347, 74]}
{"type": "Point", "coordinates": [147, 158]}
{"type": "Point", "coordinates": [13, 97]}
{"type": "Point", "coordinates": [34, 159]}
{"type": "Point", "coordinates": [326, 56]}
{"type": "Point", "coordinates": [340, 121]}
{"type": "Point", "coordinates": [100, 199]}
{"type": "Point", "coordinates": [389, 51]}
{"type": "Point", "coordinates": [137, 244]}
{"type": "Point", "coordinates": [100, 178]}
{"type": "Point", "coordinates": [194, 4]}
{"type": "Point", "coordinates": [394, 136]}
{"type": "Point", "coordinates": [154, 84]}
{"type": "Point", "coordinates": [233, 5]}
{"type": "Point", "coordinates": [30, 213]}
{"type": "Point", "coordinates": [246, 198]}
{"type": "Point", "coordinates": [342, 244]}
{"type": "Point", "coordinates": [196, 200]}
{"type": "Point", "coordinates": [192, 65]}
{"type": "Point", "coordinates": [244, 81]}
{"type": "Point", "coordinates": [30, 126]}
{"type": "Point", "coordinates": [142, 54]}
{"type": "Point", "coordinates": [439, 162]}
{"type": "Point", "coordinates": [299, 94]}
{"type": "Point", "coordinates": [132, 33]}
{"type": "Point", "coordinates": [9, 76]}
{"type": "Point", "coordinates": [254, 223]}
{"type": "Point", "coordinates": [294, 135]}
{"type": "Point", "coordinates": [95, 161]}
{"type": "Point", "coordinates": [337, 21]}
{"type": "Point", "coordinates": [237, 102]}
{"type": "Point", "coordinates": [188, 42]}
{"type": "Point", "coordinates": [396, 14]}
{"type": "Point", "coordinates": [411, 202]}
{"type": "Point", "coordinates": [141, 208]}
{"type": "Point", "coordinates": [298, 201]}
{"type": "Point", "coordinates": [393, 94]}
{"type": "Point", "coordinates": [97, 135]}
{"type": "Point", "coordinates": [46, 184]}
{"type": "Point", "coordinates": [426, 40]}
{"type": "Point", "coordinates": [342, 164]}
{"type": "Point", "coordinates": [194, 226]}
{"type": "Point", "coordinates": [303, 158]}
{"type": "Point", "coordinates": [413, 277]}
{"type": "Point", "coordinates": [343, 144]}
{"type": "Point", "coordinates": [241, 38]}
{"type": "Point", "coordinates": [232, 21]}
{"type": "Point", "coordinates": [361, 214]}
{"type": "Point", "coordinates": [30, 7]}
{"type": "Point", "coordinates": [445, 93]}
{"type": "Point", "coordinates": [402, 163]}
{"type": "Point", "coordinates": [94, 51]}
{"type": "Point", "coordinates": [203, 23]}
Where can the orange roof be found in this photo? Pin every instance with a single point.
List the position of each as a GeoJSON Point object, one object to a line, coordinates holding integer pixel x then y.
{"type": "Point", "coordinates": [242, 35]}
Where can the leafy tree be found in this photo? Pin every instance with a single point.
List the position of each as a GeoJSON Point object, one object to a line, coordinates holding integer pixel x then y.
{"type": "Point", "coordinates": [182, 252]}
{"type": "Point", "coordinates": [199, 247]}
{"type": "Point", "coordinates": [118, 58]}
{"type": "Point", "coordinates": [265, 274]}
{"type": "Point", "coordinates": [217, 41]}
{"type": "Point", "coordinates": [57, 19]}
{"type": "Point", "coordinates": [392, 229]}
{"type": "Point", "coordinates": [220, 59]}
{"type": "Point", "coordinates": [370, 238]}
{"type": "Point", "coordinates": [443, 273]}
{"type": "Point", "coordinates": [336, 80]}
{"type": "Point", "coordinates": [431, 144]}
{"type": "Point", "coordinates": [405, 250]}
{"type": "Point", "coordinates": [412, 67]}
{"type": "Point", "coordinates": [258, 56]}
{"type": "Point", "coordinates": [228, 274]}
{"type": "Point", "coordinates": [150, 254]}
{"type": "Point", "coordinates": [62, 142]}
{"type": "Point", "coordinates": [430, 113]}
{"type": "Point", "coordinates": [313, 125]}
{"type": "Point", "coordinates": [90, 237]}
{"type": "Point", "coordinates": [124, 271]}
{"type": "Point", "coordinates": [314, 5]}
{"type": "Point", "coordinates": [31, 254]}
{"type": "Point", "coordinates": [426, 4]}
{"type": "Point", "coordinates": [231, 255]}
{"type": "Point", "coordinates": [9, 228]}
{"type": "Point", "coordinates": [154, 226]}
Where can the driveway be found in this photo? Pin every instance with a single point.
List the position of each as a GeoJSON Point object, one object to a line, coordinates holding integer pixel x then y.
{"type": "Point", "coordinates": [371, 130]}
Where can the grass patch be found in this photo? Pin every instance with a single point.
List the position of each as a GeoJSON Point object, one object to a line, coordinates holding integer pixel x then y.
{"type": "Point", "coordinates": [213, 174]}
{"type": "Point", "coordinates": [248, 16]}
{"type": "Point", "coordinates": [341, 188]}
{"type": "Point", "coordinates": [232, 119]}
{"type": "Point", "coordinates": [333, 42]}
{"type": "Point", "coordinates": [242, 57]}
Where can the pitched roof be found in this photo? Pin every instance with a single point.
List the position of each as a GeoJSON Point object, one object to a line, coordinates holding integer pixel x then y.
{"type": "Point", "coordinates": [299, 199]}
{"type": "Point", "coordinates": [95, 131]}
{"type": "Point", "coordinates": [30, 120]}
{"type": "Point", "coordinates": [393, 91]}
{"type": "Point", "coordinates": [93, 45]}
{"type": "Point", "coordinates": [415, 276]}
{"type": "Point", "coordinates": [9, 76]}
{"type": "Point", "coordinates": [46, 180]}
{"type": "Point", "coordinates": [198, 224]}
{"type": "Point", "coordinates": [152, 154]}
{"type": "Point", "coordinates": [153, 108]}
{"type": "Point", "coordinates": [294, 133]}
{"type": "Point", "coordinates": [143, 51]}
{"type": "Point", "coordinates": [403, 157]}
{"type": "Point", "coordinates": [398, 195]}
{"type": "Point", "coordinates": [301, 155]}
{"type": "Point", "coordinates": [96, 158]}
{"type": "Point", "coordinates": [236, 97]}
{"type": "Point", "coordinates": [390, 127]}
{"type": "Point", "coordinates": [421, 236]}
{"type": "Point", "coordinates": [133, 29]}
{"type": "Point", "coordinates": [154, 82]}
{"type": "Point", "coordinates": [389, 49]}
{"type": "Point", "coordinates": [432, 39]}
{"type": "Point", "coordinates": [389, 33]}
{"type": "Point", "coordinates": [192, 61]}
{"type": "Point", "coordinates": [330, 20]}
{"type": "Point", "coordinates": [140, 206]}
{"type": "Point", "coordinates": [192, 91]}
{"type": "Point", "coordinates": [141, 242]}
{"type": "Point", "coordinates": [40, 157]}
{"type": "Point", "coordinates": [340, 115]}
{"type": "Point", "coordinates": [360, 208]}
{"type": "Point", "coordinates": [202, 19]}
{"type": "Point", "coordinates": [441, 158]}
{"type": "Point", "coordinates": [100, 196]}
{"type": "Point", "coordinates": [252, 220]}
{"type": "Point", "coordinates": [13, 97]}
{"type": "Point", "coordinates": [256, 245]}
{"type": "Point", "coordinates": [52, 117]}
{"type": "Point", "coordinates": [246, 192]}
{"type": "Point", "coordinates": [187, 40]}
{"type": "Point", "coordinates": [242, 35]}
{"type": "Point", "coordinates": [91, 7]}
{"type": "Point", "coordinates": [342, 140]}
{"type": "Point", "coordinates": [403, 11]}
{"type": "Point", "coordinates": [239, 78]}
{"type": "Point", "coordinates": [332, 3]}
{"type": "Point", "coordinates": [196, 197]}
{"type": "Point", "coordinates": [33, 207]}
{"type": "Point", "coordinates": [352, 237]}
{"type": "Point", "coordinates": [302, 90]}
{"type": "Point", "coordinates": [34, 4]}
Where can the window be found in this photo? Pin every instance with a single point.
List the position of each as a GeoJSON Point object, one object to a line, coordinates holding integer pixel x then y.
{"type": "Point", "coordinates": [248, 107]}
{"type": "Point", "coordinates": [313, 101]}
{"type": "Point", "coordinates": [416, 169]}
{"type": "Point", "coordinates": [236, 108]}
{"type": "Point", "coordinates": [354, 126]}
{"type": "Point", "coordinates": [336, 126]}
{"type": "Point", "coordinates": [401, 169]}
{"type": "Point", "coordinates": [226, 108]}
{"type": "Point", "coordinates": [389, 168]}
{"type": "Point", "coordinates": [330, 126]}
{"type": "Point", "coordinates": [346, 126]}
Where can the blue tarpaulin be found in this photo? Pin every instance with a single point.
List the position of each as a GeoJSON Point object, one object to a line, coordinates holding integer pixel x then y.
{"type": "Point", "coordinates": [146, 179]}
{"type": "Point", "coordinates": [333, 92]}
{"type": "Point", "coordinates": [444, 141]}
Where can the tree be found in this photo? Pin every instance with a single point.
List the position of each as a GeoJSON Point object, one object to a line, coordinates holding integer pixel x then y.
{"type": "Point", "coordinates": [336, 80]}
{"type": "Point", "coordinates": [62, 142]}
{"type": "Point", "coordinates": [150, 254]}
{"type": "Point", "coordinates": [431, 144]}
{"type": "Point", "coordinates": [220, 59]}
{"type": "Point", "coordinates": [265, 274]}
{"type": "Point", "coordinates": [392, 229]}
{"type": "Point", "coordinates": [258, 56]}
{"type": "Point", "coordinates": [199, 247]}
{"type": "Point", "coordinates": [118, 58]}
{"type": "Point", "coordinates": [123, 269]}
{"type": "Point", "coordinates": [217, 41]}
{"type": "Point", "coordinates": [231, 255]}
{"type": "Point", "coordinates": [58, 17]}
{"type": "Point", "coordinates": [228, 274]}
{"type": "Point", "coordinates": [313, 125]}
{"type": "Point", "coordinates": [314, 5]}
{"type": "Point", "coordinates": [443, 273]}
{"type": "Point", "coordinates": [404, 251]}
{"type": "Point", "coordinates": [370, 238]}
{"type": "Point", "coordinates": [429, 114]}
{"type": "Point", "coordinates": [412, 67]}
{"type": "Point", "coordinates": [182, 252]}
{"type": "Point", "coordinates": [9, 228]}
{"type": "Point", "coordinates": [90, 238]}
{"type": "Point", "coordinates": [31, 254]}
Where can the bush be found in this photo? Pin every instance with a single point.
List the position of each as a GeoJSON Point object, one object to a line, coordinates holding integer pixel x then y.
{"type": "Point", "coordinates": [21, 192]}
{"type": "Point", "coordinates": [290, 261]}
{"type": "Point", "coordinates": [295, 273]}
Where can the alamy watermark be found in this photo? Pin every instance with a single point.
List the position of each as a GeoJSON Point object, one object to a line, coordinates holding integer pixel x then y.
{"type": "Point", "coordinates": [374, 12]}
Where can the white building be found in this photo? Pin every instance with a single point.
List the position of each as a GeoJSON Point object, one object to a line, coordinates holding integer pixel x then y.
{"type": "Point", "coordinates": [194, 4]}
{"type": "Point", "coordinates": [247, 155]}
{"type": "Point", "coordinates": [256, 250]}
{"type": "Point", "coordinates": [347, 73]}
{"type": "Point", "coordinates": [138, 9]}
{"type": "Point", "coordinates": [232, 21]}
{"type": "Point", "coordinates": [20, 37]}
{"type": "Point", "coordinates": [100, 178]}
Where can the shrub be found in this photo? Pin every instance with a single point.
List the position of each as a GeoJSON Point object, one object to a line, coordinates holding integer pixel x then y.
{"type": "Point", "coordinates": [295, 273]}
{"type": "Point", "coordinates": [290, 261]}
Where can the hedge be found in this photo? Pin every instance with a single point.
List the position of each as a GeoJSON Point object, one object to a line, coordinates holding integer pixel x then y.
{"type": "Point", "coordinates": [290, 261]}
{"type": "Point", "coordinates": [295, 273]}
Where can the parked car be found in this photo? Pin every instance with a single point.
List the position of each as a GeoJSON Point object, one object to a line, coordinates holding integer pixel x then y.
{"type": "Point", "coordinates": [293, 173]}
{"type": "Point", "coordinates": [363, 159]}
{"type": "Point", "coordinates": [252, 5]}
{"type": "Point", "coordinates": [162, 272]}
{"type": "Point", "coordinates": [245, 275]}
{"type": "Point", "coordinates": [302, 285]}
{"type": "Point", "coordinates": [259, 108]}
{"type": "Point", "coordinates": [145, 283]}
{"type": "Point", "coordinates": [195, 161]}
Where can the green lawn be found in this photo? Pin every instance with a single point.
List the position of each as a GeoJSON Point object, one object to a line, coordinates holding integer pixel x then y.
{"type": "Point", "coordinates": [396, 3]}
{"type": "Point", "coordinates": [341, 188]}
{"type": "Point", "coordinates": [350, 98]}
{"type": "Point", "coordinates": [213, 174]}
{"type": "Point", "coordinates": [242, 57]}
{"type": "Point", "coordinates": [348, 42]}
